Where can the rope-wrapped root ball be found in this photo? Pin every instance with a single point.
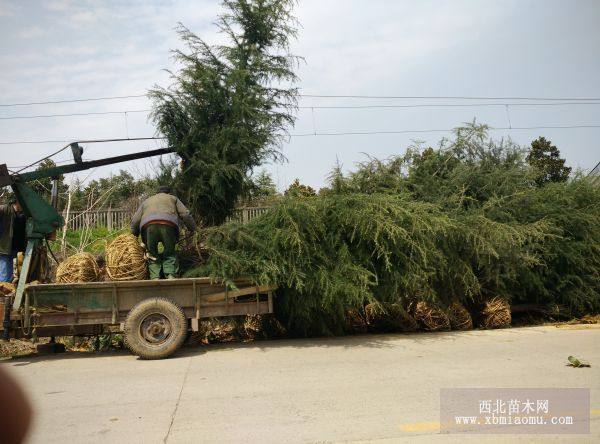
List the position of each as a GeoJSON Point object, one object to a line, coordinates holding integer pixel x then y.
{"type": "Point", "coordinates": [125, 259]}
{"type": "Point", "coordinates": [6, 288]}
{"type": "Point", "coordinates": [385, 316]}
{"type": "Point", "coordinates": [496, 313]}
{"type": "Point", "coordinates": [80, 267]}
{"type": "Point", "coordinates": [355, 322]}
{"type": "Point", "coordinates": [430, 317]}
{"type": "Point", "coordinates": [460, 318]}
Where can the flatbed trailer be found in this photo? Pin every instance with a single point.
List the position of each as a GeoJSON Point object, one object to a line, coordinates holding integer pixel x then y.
{"type": "Point", "coordinates": [154, 316]}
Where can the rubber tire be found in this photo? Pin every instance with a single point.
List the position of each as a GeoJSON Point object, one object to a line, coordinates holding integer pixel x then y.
{"type": "Point", "coordinates": [142, 348]}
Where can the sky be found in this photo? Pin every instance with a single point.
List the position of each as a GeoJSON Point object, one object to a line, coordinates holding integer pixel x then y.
{"type": "Point", "coordinates": [61, 50]}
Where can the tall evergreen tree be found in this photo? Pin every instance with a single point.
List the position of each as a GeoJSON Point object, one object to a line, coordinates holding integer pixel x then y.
{"type": "Point", "coordinates": [545, 158]}
{"type": "Point", "coordinates": [229, 106]}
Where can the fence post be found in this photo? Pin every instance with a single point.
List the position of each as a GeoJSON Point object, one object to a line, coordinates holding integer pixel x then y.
{"type": "Point", "coordinates": [109, 219]}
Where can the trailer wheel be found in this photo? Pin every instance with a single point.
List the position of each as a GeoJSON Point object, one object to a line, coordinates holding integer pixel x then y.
{"type": "Point", "coordinates": [155, 328]}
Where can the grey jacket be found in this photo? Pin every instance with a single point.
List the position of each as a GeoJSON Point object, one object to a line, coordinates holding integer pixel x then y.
{"type": "Point", "coordinates": [162, 207]}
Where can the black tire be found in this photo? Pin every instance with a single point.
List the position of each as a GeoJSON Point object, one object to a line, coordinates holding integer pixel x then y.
{"type": "Point", "coordinates": [155, 328]}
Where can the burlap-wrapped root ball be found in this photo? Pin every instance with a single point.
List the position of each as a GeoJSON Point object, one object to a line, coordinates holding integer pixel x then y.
{"type": "Point", "coordinates": [385, 316]}
{"type": "Point", "coordinates": [252, 326]}
{"type": "Point", "coordinates": [495, 313]}
{"type": "Point", "coordinates": [80, 267]}
{"type": "Point", "coordinates": [460, 318]}
{"type": "Point", "coordinates": [355, 322]}
{"type": "Point", "coordinates": [430, 317]}
{"type": "Point", "coordinates": [125, 259]}
{"type": "Point", "coordinates": [6, 288]}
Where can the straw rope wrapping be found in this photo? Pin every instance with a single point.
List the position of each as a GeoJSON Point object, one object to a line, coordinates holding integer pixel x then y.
{"type": "Point", "coordinates": [496, 313]}
{"type": "Point", "coordinates": [355, 322]}
{"type": "Point", "coordinates": [460, 318]}
{"type": "Point", "coordinates": [6, 288]}
{"type": "Point", "coordinates": [385, 316]}
{"type": "Point", "coordinates": [430, 317]}
{"type": "Point", "coordinates": [81, 267]}
{"type": "Point", "coordinates": [125, 259]}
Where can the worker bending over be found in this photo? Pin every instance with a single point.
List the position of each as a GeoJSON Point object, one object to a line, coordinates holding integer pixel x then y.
{"type": "Point", "coordinates": [158, 219]}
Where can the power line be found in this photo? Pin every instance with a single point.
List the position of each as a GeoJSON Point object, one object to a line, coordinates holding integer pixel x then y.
{"type": "Point", "coordinates": [44, 158]}
{"type": "Point", "coordinates": [418, 105]}
{"type": "Point", "coordinates": [451, 105]}
{"type": "Point", "coordinates": [124, 139]}
{"type": "Point", "coordinates": [343, 133]}
{"type": "Point", "coordinates": [325, 96]}
{"type": "Point", "coordinates": [447, 97]}
{"type": "Point", "coordinates": [41, 116]}
{"type": "Point", "coordinates": [361, 133]}
{"type": "Point", "coordinates": [120, 139]}
{"type": "Point", "coordinates": [311, 134]}
{"type": "Point", "coordinates": [33, 142]}
{"type": "Point", "coordinates": [57, 162]}
{"type": "Point", "coordinates": [93, 99]}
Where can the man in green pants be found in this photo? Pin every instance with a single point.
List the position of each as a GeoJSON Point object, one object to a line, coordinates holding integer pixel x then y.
{"type": "Point", "coordinates": [158, 219]}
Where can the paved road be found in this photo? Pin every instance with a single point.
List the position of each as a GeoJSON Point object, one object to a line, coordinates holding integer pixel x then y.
{"type": "Point", "coordinates": [377, 387]}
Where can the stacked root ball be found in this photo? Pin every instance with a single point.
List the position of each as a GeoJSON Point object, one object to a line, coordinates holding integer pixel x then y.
{"type": "Point", "coordinates": [125, 261]}
{"type": "Point", "coordinates": [495, 313]}
{"type": "Point", "coordinates": [426, 316]}
{"type": "Point", "coordinates": [80, 267]}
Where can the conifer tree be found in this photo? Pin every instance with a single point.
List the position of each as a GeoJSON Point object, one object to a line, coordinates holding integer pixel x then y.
{"type": "Point", "coordinates": [545, 158]}
{"type": "Point", "coordinates": [296, 189]}
{"type": "Point", "coordinates": [229, 106]}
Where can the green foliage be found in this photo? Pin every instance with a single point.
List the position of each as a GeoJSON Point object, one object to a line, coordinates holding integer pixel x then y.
{"type": "Point", "coordinates": [230, 105]}
{"type": "Point", "coordinates": [568, 273]}
{"type": "Point", "coordinates": [296, 189]}
{"type": "Point", "coordinates": [43, 186]}
{"type": "Point", "coordinates": [545, 158]}
{"type": "Point", "coordinates": [261, 189]}
{"type": "Point", "coordinates": [463, 221]}
{"type": "Point", "coordinates": [92, 240]}
{"type": "Point", "coordinates": [121, 190]}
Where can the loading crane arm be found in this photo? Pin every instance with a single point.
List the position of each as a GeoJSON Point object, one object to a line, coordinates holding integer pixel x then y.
{"type": "Point", "coordinates": [43, 218]}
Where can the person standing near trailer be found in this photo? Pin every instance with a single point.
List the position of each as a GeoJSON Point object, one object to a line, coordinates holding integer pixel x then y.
{"type": "Point", "coordinates": [12, 237]}
{"type": "Point", "coordinates": [158, 220]}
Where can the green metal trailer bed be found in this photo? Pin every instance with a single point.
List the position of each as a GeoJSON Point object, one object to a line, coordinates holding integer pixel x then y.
{"type": "Point", "coordinates": [154, 316]}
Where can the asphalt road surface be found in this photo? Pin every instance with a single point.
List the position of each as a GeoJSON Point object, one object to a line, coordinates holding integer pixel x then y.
{"type": "Point", "coordinates": [383, 388]}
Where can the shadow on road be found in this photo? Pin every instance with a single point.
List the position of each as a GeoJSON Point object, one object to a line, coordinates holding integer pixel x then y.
{"type": "Point", "coordinates": [22, 360]}
{"type": "Point", "coordinates": [370, 340]}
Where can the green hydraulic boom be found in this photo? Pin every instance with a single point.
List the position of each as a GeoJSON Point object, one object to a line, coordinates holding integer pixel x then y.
{"type": "Point", "coordinates": [43, 218]}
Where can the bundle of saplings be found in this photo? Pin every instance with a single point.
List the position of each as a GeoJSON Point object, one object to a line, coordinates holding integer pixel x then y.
{"type": "Point", "coordinates": [468, 222]}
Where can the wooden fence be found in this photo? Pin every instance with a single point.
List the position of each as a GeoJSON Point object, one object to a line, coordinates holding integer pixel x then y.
{"type": "Point", "coordinates": [115, 219]}
{"type": "Point", "coordinates": [246, 214]}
